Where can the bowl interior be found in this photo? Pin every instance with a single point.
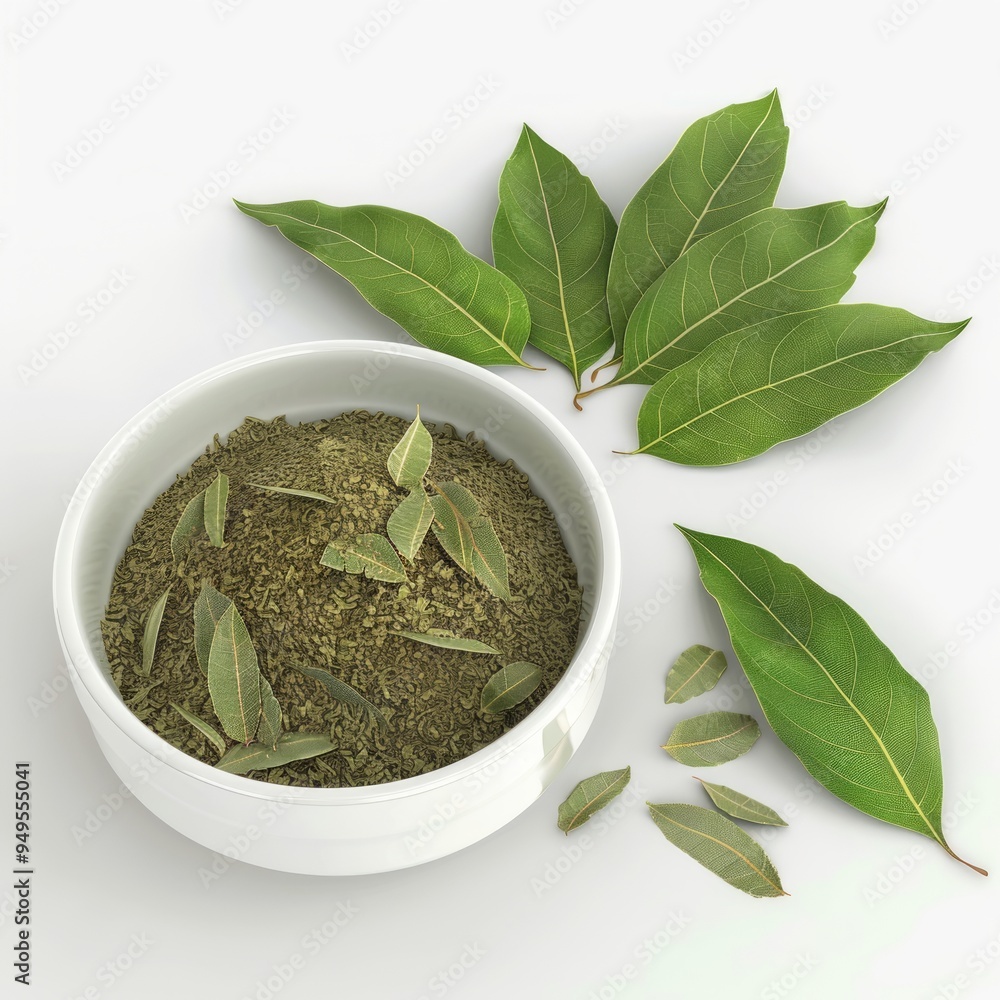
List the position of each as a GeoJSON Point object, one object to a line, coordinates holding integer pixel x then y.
{"type": "Point", "coordinates": [309, 382]}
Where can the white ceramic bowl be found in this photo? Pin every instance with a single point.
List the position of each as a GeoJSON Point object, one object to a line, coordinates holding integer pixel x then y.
{"type": "Point", "coordinates": [335, 831]}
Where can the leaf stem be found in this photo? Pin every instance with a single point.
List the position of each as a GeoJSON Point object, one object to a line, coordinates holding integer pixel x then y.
{"type": "Point", "coordinates": [590, 392]}
{"type": "Point", "coordinates": [968, 864]}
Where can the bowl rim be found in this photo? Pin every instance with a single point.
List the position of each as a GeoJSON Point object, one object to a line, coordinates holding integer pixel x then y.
{"type": "Point", "coordinates": [85, 670]}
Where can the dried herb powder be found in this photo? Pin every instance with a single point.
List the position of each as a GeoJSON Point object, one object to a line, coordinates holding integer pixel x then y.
{"type": "Point", "coordinates": [302, 614]}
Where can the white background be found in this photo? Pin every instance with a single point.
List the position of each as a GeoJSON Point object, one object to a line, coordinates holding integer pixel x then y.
{"type": "Point", "coordinates": [603, 82]}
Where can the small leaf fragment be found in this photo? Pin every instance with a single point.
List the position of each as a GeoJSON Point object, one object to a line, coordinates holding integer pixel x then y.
{"type": "Point", "coordinates": [209, 731]}
{"type": "Point", "coordinates": [308, 494]}
{"type": "Point", "coordinates": [509, 686]}
{"type": "Point", "coordinates": [408, 523]}
{"type": "Point", "coordinates": [209, 607]}
{"type": "Point", "coordinates": [713, 738]}
{"type": "Point", "coordinates": [697, 670]}
{"type": "Point", "coordinates": [411, 458]}
{"type": "Point", "coordinates": [192, 520]}
{"type": "Point", "coordinates": [719, 845]}
{"type": "Point", "coordinates": [591, 795]}
{"type": "Point", "coordinates": [342, 691]}
{"type": "Point", "coordinates": [151, 632]}
{"type": "Point", "coordinates": [215, 509]}
{"type": "Point", "coordinates": [269, 729]}
{"type": "Point", "coordinates": [371, 555]}
{"type": "Point", "coordinates": [259, 756]}
{"type": "Point", "coordinates": [741, 806]}
{"type": "Point", "coordinates": [234, 677]}
{"type": "Point", "coordinates": [448, 641]}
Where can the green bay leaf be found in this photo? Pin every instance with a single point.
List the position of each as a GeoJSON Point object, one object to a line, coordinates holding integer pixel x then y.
{"type": "Point", "coordinates": [724, 167]}
{"type": "Point", "coordinates": [780, 379]}
{"type": "Point", "coordinates": [741, 806]}
{"type": "Point", "coordinates": [259, 756]}
{"type": "Point", "coordinates": [591, 795]}
{"type": "Point", "coordinates": [408, 524]}
{"type": "Point", "coordinates": [234, 677]}
{"type": "Point", "coordinates": [553, 235]}
{"type": "Point", "coordinates": [414, 272]}
{"type": "Point", "coordinates": [216, 496]}
{"type": "Point", "coordinates": [209, 607]}
{"type": "Point", "coordinates": [411, 458]}
{"type": "Point", "coordinates": [776, 261]}
{"type": "Point", "coordinates": [832, 691]}
{"type": "Point", "coordinates": [509, 686]}
{"type": "Point", "coordinates": [448, 642]}
{"type": "Point", "coordinates": [720, 846]}
{"type": "Point", "coordinates": [190, 523]}
{"type": "Point", "coordinates": [342, 691]}
{"type": "Point", "coordinates": [713, 738]}
{"type": "Point", "coordinates": [202, 726]}
{"type": "Point", "coordinates": [697, 670]}
{"type": "Point", "coordinates": [151, 632]}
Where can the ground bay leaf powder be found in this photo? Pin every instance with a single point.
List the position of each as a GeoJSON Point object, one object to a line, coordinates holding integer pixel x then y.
{"type": "Point", "coordinates": [299, 612]}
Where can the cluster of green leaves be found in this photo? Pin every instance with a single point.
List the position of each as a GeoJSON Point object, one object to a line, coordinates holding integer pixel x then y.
{"type": "Point", "coordinates": [726, 306]}
{"type": "Point", "coordinates": [706, 741]}
{"type": "Point", "coordinates": [452, 513]}
{"type": "Point", "coordinates": [833, 694]}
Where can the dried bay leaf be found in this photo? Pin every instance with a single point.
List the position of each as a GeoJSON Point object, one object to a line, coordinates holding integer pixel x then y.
{"type": "Point", "coordinates": [782, 378]}
{"type": "Point", "coordinates": [209, 607]}
{"type": "Point", "coordinates": [724, 167]}
{"type": "Point", "coordinates": [370, 554]}
{"type": "Point", "coordinates": [713, 738]}
{"type": "Point", "coordinates": [720, 846]}
{"type": "Point", "coordinates": [260, 756]}
{"type": "Point", "coordinates": [152, 631]}
{"type": "Point", "coordinates": [553, 235]}
{"type": "Point", "coordinates": [509, 686]}
{"type": "Point", "coordinates": [269, 729]}
{"type": "Point", "coordinates": [192, 521]}
{"type": "Point", "coordinates": [453, 531]}
{"type": "Point", "coordinates": [448, 641]}
{"type": "Point", "coordinates": [591, 795]}
{"type": "Point", "coordinates": [341, 691]}
{"type": "Point", "coordinates": [308, 494]}
{"type": "Point", "coordinates": [216, 496]}
{"type": "Point", "coordinates": [414, 272]}
{"type": "Point", "coordinates": [202, 726]}
{"type": "Point", "coordinates": [411, 458]}
{"type": "Point", "coordinates": [409, 522]}
{"type": "Point", "coordinates": [697, 670]}
{"type": "Point", "coordinates": [469, 537]}
{"type": "Point", "coordinates": [832, 691]}
{"type": "Point", "coordinates": [234, 677]}
{"type": "Point", "coordinates": [741, 806]}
